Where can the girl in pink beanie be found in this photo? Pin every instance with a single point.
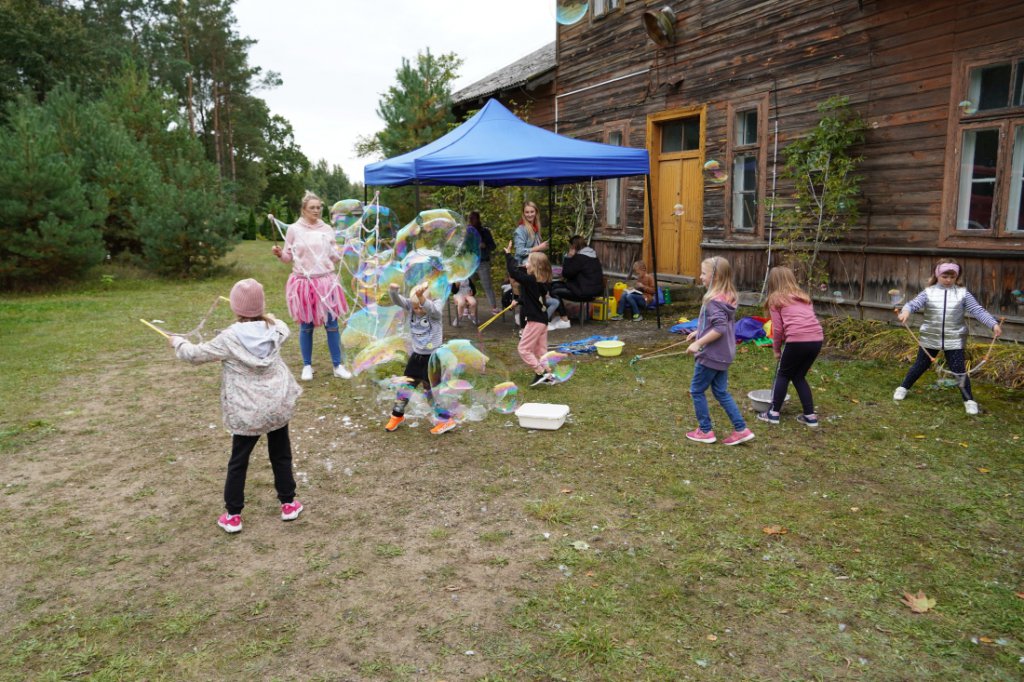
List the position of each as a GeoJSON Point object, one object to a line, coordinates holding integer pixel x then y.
{"type": "Point", "coordinates": [257, 396]}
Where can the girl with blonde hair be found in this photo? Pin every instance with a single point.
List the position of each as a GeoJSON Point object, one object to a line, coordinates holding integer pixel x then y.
{"type": "Point", "coordinates": [797, 338]}
{"type": "Point", "coordinates": [714, 346]}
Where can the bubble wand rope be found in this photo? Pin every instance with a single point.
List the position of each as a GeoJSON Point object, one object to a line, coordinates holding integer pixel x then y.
{"type": "Point", "coordinates": [197, 329]}
{"type": "Point", "coordinates": [961, 377]}
{"type": "Point", "coordinates": [496, 316]}
{"type": "Point", "coordinates": [657, 352]}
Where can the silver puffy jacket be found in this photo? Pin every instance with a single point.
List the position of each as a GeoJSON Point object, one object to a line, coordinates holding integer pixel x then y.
{"type": "Point", "coordinates": [944, 325]}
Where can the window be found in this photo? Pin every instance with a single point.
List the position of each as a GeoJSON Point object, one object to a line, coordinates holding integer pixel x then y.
{"type": "Point", "coordinates": [746, 166]}
{"type": "Point", "coordinates": [613, 189]}
{"type": "Point", "coordinates": [988, 156]}
{"type": "Point", "coordinates": [681, 136]}
{"type": "Point", "coordinates": [603, 7]}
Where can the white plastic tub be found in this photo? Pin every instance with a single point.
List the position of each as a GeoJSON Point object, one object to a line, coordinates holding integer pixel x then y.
{"type": "Point", "coordinates": [548, 416]}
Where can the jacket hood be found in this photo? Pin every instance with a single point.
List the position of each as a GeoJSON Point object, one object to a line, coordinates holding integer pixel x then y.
{"type": "Point", "coordinates": [587, 251]}
{"type": "Point", "coordinates": [259, 338]}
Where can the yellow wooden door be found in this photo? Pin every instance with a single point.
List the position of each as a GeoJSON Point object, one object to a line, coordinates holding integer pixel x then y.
{"type": "Point", "coordinates": [691, 191]}
{"type": "Point", "coordinates": [677, 145]}
{"type": "Point", "coordinates": [667, 235]}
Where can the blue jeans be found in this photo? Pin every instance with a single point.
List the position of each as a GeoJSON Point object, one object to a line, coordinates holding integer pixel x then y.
{"type": "Point", "coordinates": [333, 341]}
{"type": "Point", "coordinates": [633, 304]}
{"type": "Point", "coordinates": [718, 380]}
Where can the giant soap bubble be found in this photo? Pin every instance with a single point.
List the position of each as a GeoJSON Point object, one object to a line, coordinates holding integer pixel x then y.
{"type": "Point", "coordinates": [569, 12]}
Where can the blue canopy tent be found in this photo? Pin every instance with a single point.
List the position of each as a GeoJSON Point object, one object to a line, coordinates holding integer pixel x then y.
{"type": "Point", "coordinates": [497, 149]}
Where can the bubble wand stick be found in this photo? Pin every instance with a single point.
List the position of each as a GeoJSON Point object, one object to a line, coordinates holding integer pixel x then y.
{"type": "Point", "coordinates": [159, 331]}
{"type": "Point", "coordinates": [496, 316]}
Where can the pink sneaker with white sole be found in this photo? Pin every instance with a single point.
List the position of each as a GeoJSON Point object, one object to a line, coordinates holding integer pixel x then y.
{"type": "Point", "coordinates": [291, 510]}
{"type": "Point", "coordinates": [738, 437]}
{"type": "Point", "coordinates": [231, 523]}
{"type": "Point", "coordinates": [702, 436]}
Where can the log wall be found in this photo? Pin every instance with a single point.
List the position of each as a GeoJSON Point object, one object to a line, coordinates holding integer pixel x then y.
{"type": "Point", "coordinates": [894, 59]}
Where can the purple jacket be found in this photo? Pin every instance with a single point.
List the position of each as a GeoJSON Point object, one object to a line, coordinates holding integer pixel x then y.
{"type": "Point", "coordinates": [720, 316]}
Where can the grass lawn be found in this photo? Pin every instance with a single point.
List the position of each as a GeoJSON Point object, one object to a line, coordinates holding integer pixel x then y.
{"type": "Point", "coordinates": [611, 549]}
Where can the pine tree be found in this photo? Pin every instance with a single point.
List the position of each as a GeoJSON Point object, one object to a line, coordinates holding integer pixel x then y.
{"type": "Point", "coordinates": [48, 226]}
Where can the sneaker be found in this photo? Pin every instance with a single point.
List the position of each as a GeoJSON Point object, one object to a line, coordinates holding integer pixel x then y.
{"type": "Point", "coordinates": [443, 427]}
{"type": "Point", "coordinates": [808, 419]}
{"type": "Point", "coordinates": [394, 422]}
{"type": "Point", "coordinates": [307, 372]}
{"type": "Point", "coordinates": [562, 324]}
{"type": "Point", "coordinates": [900, 393]}
{"type": "Point", "coordinates": [615, 318]}
{"type": "Point", "coordinates": [638, 317]}
{"type": "Point", "coordinates": [231, 523]}
{"type": "Point", "coordinates": [541, 379]}
{"type": "Point", "coordinates": [549, 378]}
{"type": "Point", "coordinates": [769, 416]}
{"type": "Point", "coordinates": [342, 372]}
{"type": "Point", "coordinates": [291, 510]}
{"type": "Point", "coordinates": [495, 311]}
{"type": "Point", "coordinates": [971, 407]}
{"type": "Point", "coordinates": [552, 326]}
{"type": "Point", "coordinates": [701, 436]}
{"type": "Point", "coordinates": [738, 437]}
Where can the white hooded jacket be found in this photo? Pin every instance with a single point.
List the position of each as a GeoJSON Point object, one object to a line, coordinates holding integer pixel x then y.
{"type": "Point", "coordinates": [258, 392]}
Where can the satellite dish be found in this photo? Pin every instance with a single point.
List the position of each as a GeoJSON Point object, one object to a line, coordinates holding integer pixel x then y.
{"type": "Point", "coordinates": [661, 26]}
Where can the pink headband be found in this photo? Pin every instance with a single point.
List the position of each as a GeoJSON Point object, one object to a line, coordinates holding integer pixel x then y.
{"type": "Point", "coordinates": [946, 267]}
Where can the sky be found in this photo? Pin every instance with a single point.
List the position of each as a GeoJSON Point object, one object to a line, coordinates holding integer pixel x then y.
{"type": "Point", "coordinates": [337, 57]}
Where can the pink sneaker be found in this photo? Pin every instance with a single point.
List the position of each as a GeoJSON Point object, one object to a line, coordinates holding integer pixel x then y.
{"type": "Point", "coordinates": [701, 436]}
{"type": "Point", "coordinates": [231, 523]}
{"type": "Point", "coordinates": [291, 510]}
{"type": "Point", "coordinates": [738, 437]}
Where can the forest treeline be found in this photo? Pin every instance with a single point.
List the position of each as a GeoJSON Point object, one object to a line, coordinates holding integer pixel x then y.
{"type": "Point", "coordinates": [133, 130]}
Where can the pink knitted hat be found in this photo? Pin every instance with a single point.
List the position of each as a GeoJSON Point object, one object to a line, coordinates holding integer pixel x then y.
{"type": "Point", "coordinates": [247, 298]}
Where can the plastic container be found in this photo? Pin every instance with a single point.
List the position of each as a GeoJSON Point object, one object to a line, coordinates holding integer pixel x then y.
{"type": "Point", "coordinates": [619, 290]}
{"type": "Point", "coordinates": [609, 349]}
{"type": "Point", "coordinates": [761, 399]}
{"type": "Point", "coordinates": [546, 416]}
{"type": "Point", "coordinates": [599, 309]}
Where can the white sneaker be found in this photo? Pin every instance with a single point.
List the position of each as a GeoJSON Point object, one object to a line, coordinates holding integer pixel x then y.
{"type": "Point", "coordinates": [307, 373]}
{"type": "Point", "coordinates": [971, 407]}
{"type": "Point", "coordinates": [900, 393]}
{"type": "Point", "coordinates": [552, 326]}
{"type": "Point", "coordinates": [341, 372]}
{"type": "Point", "coordinates": [562, 324]}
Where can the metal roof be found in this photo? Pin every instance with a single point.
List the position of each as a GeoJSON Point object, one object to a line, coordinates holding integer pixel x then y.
{"type": "Point", "coordinates": [518, 73]}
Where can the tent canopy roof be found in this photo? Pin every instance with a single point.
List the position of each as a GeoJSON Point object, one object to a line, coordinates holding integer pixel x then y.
{"type": "Point", "coordinates": [496, 148]}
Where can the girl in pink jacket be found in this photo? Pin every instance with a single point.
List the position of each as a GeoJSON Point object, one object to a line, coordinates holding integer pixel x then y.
{"type": "Point", "coordinates": [796, 341]}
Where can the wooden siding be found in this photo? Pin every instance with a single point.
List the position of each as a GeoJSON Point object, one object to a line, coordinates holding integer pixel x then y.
{"type": "Point", "coordinates": [894, 59]}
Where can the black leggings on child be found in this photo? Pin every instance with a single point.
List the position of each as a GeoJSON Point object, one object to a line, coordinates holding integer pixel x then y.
{"type": "Point", "coordinates": [280, 448]}
{"type": "Point", "coordinates": [797, 358]}
{"type": "Point", "coordinates": [954, 358]}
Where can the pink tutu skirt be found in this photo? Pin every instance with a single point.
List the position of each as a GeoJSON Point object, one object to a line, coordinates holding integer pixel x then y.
{"type": "Point", "coordinates": [310, 299]}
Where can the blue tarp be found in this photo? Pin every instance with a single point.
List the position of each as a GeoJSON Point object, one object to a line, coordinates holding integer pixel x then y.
{"type": "Point", "coordinates": [496, 148]}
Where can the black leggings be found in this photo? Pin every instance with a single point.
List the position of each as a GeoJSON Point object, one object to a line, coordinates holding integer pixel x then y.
{"type": "Point", "coordinates": [954, 358]}
{"type": "Point", "coordinates": [280, 448]}
{"type": "Point", "coordinates": [797, 358]}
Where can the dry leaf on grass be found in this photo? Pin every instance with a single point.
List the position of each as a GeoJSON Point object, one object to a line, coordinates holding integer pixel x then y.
{"type": "Point", "coordinates": [918, 603]}
{"type": "Point", "coordinates": [1020, 594]}
{"type": "Point", "coordinates": [774, 530]}
{"type": "Point", "coordinates": [983, 470]}
{"type": "Point", "coordinates": [565, 491]}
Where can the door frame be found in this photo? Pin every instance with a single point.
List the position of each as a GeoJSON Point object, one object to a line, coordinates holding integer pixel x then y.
{"type": "Point", "coordinates": [654, 123]}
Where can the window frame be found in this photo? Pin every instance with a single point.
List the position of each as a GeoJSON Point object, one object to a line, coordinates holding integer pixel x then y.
{"type": "Point", "coordinates": [620, 224]}
{"type": "Point", "coordinates": [607, 7]}
{"type": "Point", "coordinates": [1006, 120]}
{"type": "Point", "coordinates": [733, 108]}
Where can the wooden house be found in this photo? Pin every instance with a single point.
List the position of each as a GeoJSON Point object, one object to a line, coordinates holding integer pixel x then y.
{"type": "Point", "coordinates": [940, 84]}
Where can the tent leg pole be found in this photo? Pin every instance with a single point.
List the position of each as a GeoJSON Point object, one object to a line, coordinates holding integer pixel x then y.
{"type": "Point", "coordinates": [551, 217]}
{"type": "Point", "coordinates": [654, 251]}
{"type": "Point", "coordinates": [417, 199]}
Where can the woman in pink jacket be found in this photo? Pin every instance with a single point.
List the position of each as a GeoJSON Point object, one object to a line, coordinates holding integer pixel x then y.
{"type": "Point", "coordinates": [796, 341]}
